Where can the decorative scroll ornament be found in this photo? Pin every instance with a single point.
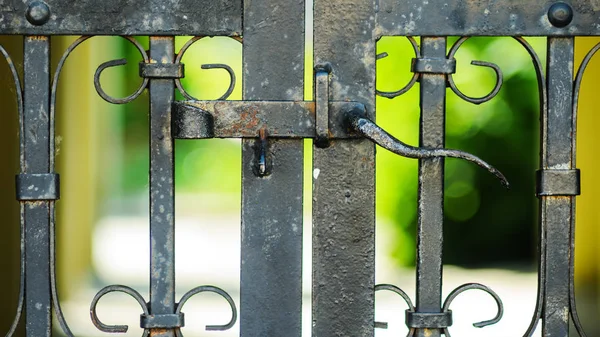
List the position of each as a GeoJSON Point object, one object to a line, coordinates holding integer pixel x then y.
{"type": "Point", "coordinates": [232, 78]}
{"type": "Point", "coordinates": [443, 319]}
{"type": "Point", "coordinates": [115, 288]}
{"type": "Point", "coordinates": [146, 316]}
{"type": "Point", "coordinates": [412, 81]}
{"type": "Point", "coordinates": [497, 71]}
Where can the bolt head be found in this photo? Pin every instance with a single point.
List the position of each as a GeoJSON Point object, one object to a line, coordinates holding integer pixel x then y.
{"type": "Point", "coordinates": [560, 14]}
{"type": "Point", "coordinates": [38, 13]}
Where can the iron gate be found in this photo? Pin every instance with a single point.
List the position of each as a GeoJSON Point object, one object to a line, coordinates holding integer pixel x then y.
{"type": "Point", "coordinates": [272, 119]}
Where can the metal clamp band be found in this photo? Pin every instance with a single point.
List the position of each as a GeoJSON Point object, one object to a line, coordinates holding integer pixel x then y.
{"type": "Point", "coordinates": [37, 186]}
{"type": "Point", "coordinates": [162, 321]}
{"type": "Point", "coordinates": [162, 70]}
{"type": "Point", "coordinates": [427, 320]}
{"type": "Point", "coordinates": [433, 65]}
{"type": "Point", "coordinates": [552, 182]}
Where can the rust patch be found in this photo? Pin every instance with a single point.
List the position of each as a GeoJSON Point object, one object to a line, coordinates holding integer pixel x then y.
{"type": "Point", "coordinates": [311, 107]}
{"type": "Point", "coordinates": [248, 123]}
{"type": "Point", "coordinates": [161, 332]}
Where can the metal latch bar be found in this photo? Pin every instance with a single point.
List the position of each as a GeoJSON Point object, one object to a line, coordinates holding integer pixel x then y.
{"type": "Point", "coordinates": [245, 119]}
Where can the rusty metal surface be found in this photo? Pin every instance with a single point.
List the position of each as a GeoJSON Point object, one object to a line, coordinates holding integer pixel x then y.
{"type": "Point", "coordinates": [486, 17]}
{"type": "Point", "coordinates": [244, 119]}
{"type": "Point", "coordinates": [117, 17]}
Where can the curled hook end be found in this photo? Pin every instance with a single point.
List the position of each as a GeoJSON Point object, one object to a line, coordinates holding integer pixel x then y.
{"type": "Point", "coordinates": [381, 56]}
{"type": "Point", "coordinates": [109, 289]}
{"type": "Point", "coordinates": [381, 325]}
{"type": "Point", "coordinates": [470, 286]}
{"type": "Point", "coordinates": [500, 176]}
{"type": "Point", "coordinates": [218, 327]}
{"type": "Point", "coordinates": [483, 324]}
{"type": "Point", "coordinates": [217, 291]}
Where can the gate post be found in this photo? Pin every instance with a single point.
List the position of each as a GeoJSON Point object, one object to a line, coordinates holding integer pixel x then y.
{"type": "Point", "coordinates": [271, 252]}
{"type": "Point", "coordinates": [344, 177]}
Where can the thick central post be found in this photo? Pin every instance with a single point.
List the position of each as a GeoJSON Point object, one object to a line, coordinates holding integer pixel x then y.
{"type": "Point", "coordinates": [344, 177]}
{"type": "Point", "coordinates": [430, 217]}
{"type": "Point", "coordinates": [271, 259]}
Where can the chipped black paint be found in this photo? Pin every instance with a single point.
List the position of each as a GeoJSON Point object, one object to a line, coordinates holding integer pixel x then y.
{"type": "Point", "coordinates": [343, 178]}
{"type": "Point", "coordinates": [123, 17]}
{"type": "Point", "coordinates": [36, 159]}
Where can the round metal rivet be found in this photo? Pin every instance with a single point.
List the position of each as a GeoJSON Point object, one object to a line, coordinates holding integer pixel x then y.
{"type": "Point", "coordinates": [38, 13]}
{"type": "Point", "coordinates": [560, 14]}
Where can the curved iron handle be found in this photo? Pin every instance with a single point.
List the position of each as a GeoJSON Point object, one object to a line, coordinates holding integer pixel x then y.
{"type": "Point", "coordinates": [358, 122]}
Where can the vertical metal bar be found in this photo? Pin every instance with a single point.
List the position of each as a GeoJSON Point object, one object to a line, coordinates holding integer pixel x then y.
{"type": "Point", "coordinates": [343, 178]}
{"type": "Point", "coordinates": [430, 216]}
{"type": "Point", "coordinates": [36, 159]}
{"type": "Point", "coordinates": [558, 152]}
{"type": "Point", "coordinates": [162, 200]}
{"type": "Point", "coordinates": [271, 252]}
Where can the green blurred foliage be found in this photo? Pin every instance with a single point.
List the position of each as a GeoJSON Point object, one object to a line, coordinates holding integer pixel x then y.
{"type": "Point", "coordinates": [484, 222]}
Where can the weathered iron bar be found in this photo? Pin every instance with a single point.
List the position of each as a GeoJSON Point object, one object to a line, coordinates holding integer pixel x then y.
{"type": "Point", "coordinates": [162, 194]}
{"type": "Point", "coordinates": [344, 177]}
{"type": "Point", "coordinates": [557, 206]}
{"type": "Point", "coordinates": [272, 219]}
{"type": "Point", "coordinates": [245, 119]}
{"type": "Point", "coordinates": [430, 214]}
{"type": "Point", "coordinates": [36, 161]}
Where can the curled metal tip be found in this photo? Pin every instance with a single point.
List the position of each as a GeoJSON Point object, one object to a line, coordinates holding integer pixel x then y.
{"type": "Point", "coordinates": [381, 56]}
{"type": "Point", "coordinates": [471, 286]}
{"type": "Point", "coordinates": [232, 79]}
{"type": "Point", "coordinates": [493, 66]}
{"type": "Point", "coordinates": [217, 291]}
{"type": "Point", "coordinates": [397, 290]}
{"type": "Point", "coordinates": [116, 328]}
{"type": "Point", "coordinates": [357, 121]}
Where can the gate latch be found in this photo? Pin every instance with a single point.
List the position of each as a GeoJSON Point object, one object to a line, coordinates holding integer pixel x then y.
{"type": "Point", "coordinates": [323, 120]}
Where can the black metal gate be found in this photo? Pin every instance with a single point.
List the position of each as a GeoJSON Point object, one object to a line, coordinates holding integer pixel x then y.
{"type": "Point", "coordinates": [272, 119]}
